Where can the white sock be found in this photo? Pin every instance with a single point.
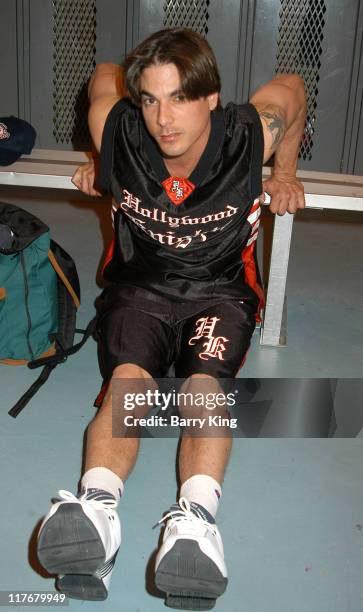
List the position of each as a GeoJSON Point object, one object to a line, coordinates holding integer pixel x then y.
{"type": "Point", "coordinates": [105, 479]}
{"type": "Point", "coordinates": [203, 490]}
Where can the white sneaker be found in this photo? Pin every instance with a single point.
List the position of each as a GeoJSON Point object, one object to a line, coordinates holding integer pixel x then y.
{"type": "Point", "coordinates": [79, 540]}
{"type": "Point", "coordinates": [190, 565]}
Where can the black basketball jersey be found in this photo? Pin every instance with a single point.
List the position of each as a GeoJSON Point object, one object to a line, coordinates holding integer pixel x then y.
{"type": "Point", "coordinates": [185, 239]}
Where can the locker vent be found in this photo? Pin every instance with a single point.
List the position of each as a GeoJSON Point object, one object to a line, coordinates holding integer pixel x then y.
{"type": "Point", "coordinates": [301, 33]}
{"type": "Point", "coordinates": [187, 14]}
{"type": "Point", "coordinates": [74, 37]}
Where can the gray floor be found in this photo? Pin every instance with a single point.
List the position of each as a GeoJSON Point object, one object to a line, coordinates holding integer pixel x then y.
{"type": "Point", "coordinates": [291, 514]}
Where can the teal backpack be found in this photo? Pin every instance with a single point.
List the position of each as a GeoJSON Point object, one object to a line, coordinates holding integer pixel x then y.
{"type": "Point", "coordinates": [39, 297]}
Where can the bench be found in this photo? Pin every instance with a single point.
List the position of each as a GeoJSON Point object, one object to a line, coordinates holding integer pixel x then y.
{"type": "Point", "coordinates": [53, 169]}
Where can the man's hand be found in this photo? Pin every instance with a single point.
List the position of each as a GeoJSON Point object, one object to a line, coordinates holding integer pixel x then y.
{"type": "Point", "coordinates": [287, 194]}
{"type": "Point", "coordinates": [84, 178]}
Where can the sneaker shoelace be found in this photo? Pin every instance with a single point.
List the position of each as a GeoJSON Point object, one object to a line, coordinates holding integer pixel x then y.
{"type": "Point", "coordinates": [186, 513]}
{"type": "Point", "coordinates": [98, 504]}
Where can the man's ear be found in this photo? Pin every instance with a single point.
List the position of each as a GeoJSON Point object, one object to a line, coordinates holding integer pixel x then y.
{"type": "Point", "coordinates": [213, 101]}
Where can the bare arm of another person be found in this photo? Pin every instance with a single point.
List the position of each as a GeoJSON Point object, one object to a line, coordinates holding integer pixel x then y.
{"type": "Point", "coordinates": [105, 88]}
{"type": "Point", "coordinates": [281, 104]}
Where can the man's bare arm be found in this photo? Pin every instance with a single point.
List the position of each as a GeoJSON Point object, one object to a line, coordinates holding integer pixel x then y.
{"type": "Point", "coordinates": [281, 105]}
{"type": "Point", "coordinates": [105, 88]}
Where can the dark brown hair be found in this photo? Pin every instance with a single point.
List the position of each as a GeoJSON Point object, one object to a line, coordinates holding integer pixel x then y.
{"type": "Point", "coordinates": [183, 47]}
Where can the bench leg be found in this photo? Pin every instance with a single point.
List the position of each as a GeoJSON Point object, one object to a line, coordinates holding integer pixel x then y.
{"type": "Point", "coordinates": [273, 329]}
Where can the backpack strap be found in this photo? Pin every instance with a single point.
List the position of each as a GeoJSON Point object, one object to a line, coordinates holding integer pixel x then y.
{"type": "Point", "coordinates": [22, 402]}
{"type": "Point", "coordinates": [63, 353]}
{"type": "Point", "coordinates": [63, 278]}
{"type": "Point", "coordinates": [49, 363]}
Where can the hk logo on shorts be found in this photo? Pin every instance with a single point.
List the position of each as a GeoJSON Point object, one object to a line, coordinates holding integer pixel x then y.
{"type": "Point", "coordinates": [4, 134]}
{"type": "Point", "coordinates": [214, 347]}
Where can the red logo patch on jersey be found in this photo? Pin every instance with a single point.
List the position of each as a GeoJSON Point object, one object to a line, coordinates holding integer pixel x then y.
{"type": "Point", "coordinates": [178, 189]}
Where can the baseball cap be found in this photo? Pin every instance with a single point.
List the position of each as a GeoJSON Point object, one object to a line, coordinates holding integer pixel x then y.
{"type": "Point", "coordinates": [17, 138]}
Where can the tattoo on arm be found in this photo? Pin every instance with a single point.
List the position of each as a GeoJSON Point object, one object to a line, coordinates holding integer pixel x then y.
{"type": "Point", "coordinates": [275, 124]}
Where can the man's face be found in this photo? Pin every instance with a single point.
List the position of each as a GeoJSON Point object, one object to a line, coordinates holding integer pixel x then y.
{"type": "Point", "coordinates": [180, 127]}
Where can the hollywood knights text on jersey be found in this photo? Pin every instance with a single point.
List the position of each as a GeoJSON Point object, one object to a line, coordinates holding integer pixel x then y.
{"type": "Point", "coordinates": [149, 220]}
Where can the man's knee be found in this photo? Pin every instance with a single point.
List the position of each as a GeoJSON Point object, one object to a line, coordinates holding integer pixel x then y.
{"type": "Point", "coordinates": [130, 370]}
{"type": "Point", "coordinates": [201, 395]}
{"type": "Point", "coordinates": [127, 378]}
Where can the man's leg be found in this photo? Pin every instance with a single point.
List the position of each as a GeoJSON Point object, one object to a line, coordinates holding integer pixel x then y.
{"type": "Point", "coordinates": [190, 565]}
{"type": "Point", "coordinates": [204, 455]}
{"type": "Point", "coordinates": [80, 536]}
{"type": "Point", "coordinates": [115, 452]}
{"type": "Point", "coordinates": [213, 344]}
{"type": "Point", "coordinates": [204, 452]}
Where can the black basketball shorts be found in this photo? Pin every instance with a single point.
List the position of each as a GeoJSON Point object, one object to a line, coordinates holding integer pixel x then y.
{"type": "Point", "coordinates": [155, 333]}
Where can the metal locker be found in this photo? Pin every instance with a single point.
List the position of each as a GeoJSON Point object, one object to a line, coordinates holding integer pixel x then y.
{"type": "Point", "coordinates": [352, 162]}
{"type": "Point", "coordinates": [358, 166]}
{"type": "Point", "coordinates": [67, 39]}
{"type": "Point", "coordinates": [315, 38]}
{"type": "Point", "coordinates": [50, 47]}
{"type": "Point", "coordinates": [11, 40]}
